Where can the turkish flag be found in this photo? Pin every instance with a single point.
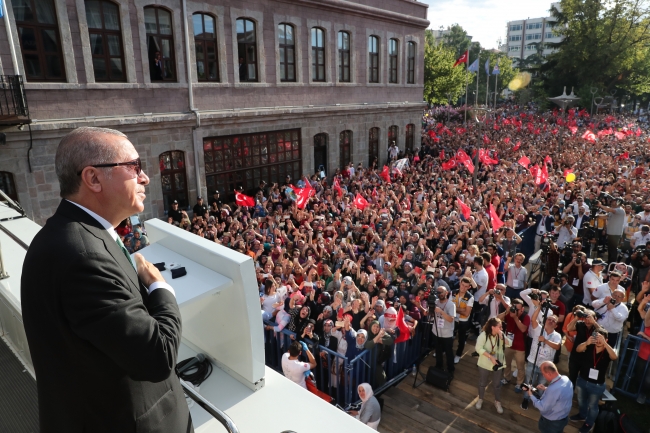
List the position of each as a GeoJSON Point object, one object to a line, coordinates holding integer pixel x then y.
{"type": "Point", "coordinates": [432, 134]}
{"type": "Point", "coordinates": [638, 132]}
{"type": "Point", "coordinates": [524, 161]}
{"type": "Point", "coordinates": [626, 155]}
{"type": "Point", "coordinates": [337, 187]}
{"type": "Point", "coordinates": [385, 174]}
{"type": "Point", "coordinates": [464, 209]}
{"type": "Point", "coordinates": [404, 331]}
{"type": "Point", "coordinates": [619, 135]}
{"type": "Point", "coordinates": [449, 164]}
{"type": "Point", "coordinates": [506, 140]}
{"type": "Point", "coordinates": [517, 146]}
{"type": "Point", "coordinates": [375, 194]}
{"type": "Point", "coordinates": [360, 202]}
{"type": "Point", "coordinates": [485, 158]}
{"type": "Point", "coordinates": [590, 136]}
{"type": "Point", "coordinates": [442, 155]}
{"type": "Point", "coordinates": [548, 160]}
{"type": "Point", "coordinates": [573, 129]}
{"type": "Point", "coordinates": [460, 131]}
{"type": "Point", "coordinates": [462, 59]}
{"type": "Point", "coordinates": [604, 132]}
{"type": "Point", "coordinates": [303, 195]}
{"type": "Point", "coordinates": [464, 159]}
{"type": "Point", "coordinates": [496, 222]}
{"type": "Point", "coordinates": [243, 199]}
{"type": "Point", "coordinates": [486, 139]}
{"type": "Point", "coordinates": [554, 131]}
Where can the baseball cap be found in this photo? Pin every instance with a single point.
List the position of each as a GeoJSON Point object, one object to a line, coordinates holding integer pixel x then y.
{"type": "Point", "coordinates": [598, 262]}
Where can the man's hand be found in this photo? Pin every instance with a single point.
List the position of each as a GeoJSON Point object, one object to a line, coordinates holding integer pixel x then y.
{"type": "Point", "coordinates": [147, 272]}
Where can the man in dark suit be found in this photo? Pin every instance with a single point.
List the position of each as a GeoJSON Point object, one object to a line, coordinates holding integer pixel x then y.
{"type": "Point", "coordinates": [543, 224]}
{"type": "Point", "coordinates": [103, 338]}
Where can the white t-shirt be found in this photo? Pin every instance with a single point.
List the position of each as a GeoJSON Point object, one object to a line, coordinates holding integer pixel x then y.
{"type": "Point", "coordinates": [546, 352]}
{"type": "Point", "coordinates": [640, 238]}
{"type": "Point", "coordinates": [590, 281]}
{"type": "Point", "coordinates": [481, 279]}
{"type": "Point", "coordinates": [267, 304]}
{"type": "Point", "coordinates": [294, 370]}
{"type": "Point", "coordinates": [603, 291]}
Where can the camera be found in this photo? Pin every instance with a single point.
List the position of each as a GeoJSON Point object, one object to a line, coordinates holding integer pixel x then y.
{"type": "Point", "coordinates": [534, 296]}
{"type": "Point", "coordinates": [526, 386]}
{"type": "Point", "coordinates": [432, 297]}
{"type": "Point", "coordinates": [612, 301]}
{"type": "Point", "coordinates": [581, 314]}
{"type": "Point", "coordinates": [497, 291]}
{"type": "Point", "coordinates": [497, 366]}
{"type": "Point", "coordinates": [513, 309]}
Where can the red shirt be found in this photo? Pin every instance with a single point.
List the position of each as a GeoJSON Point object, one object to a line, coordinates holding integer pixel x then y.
{"type": "Point", "coordinates": [496, 261]}
{"type": "Point", "coordinates": [492, 276]}
{"type": "Point", "coordinates": [560, 311]}
{"type": "Point", "coordinates": [644, 349]}
{"type": "Point", "coordinates": [518, 342]}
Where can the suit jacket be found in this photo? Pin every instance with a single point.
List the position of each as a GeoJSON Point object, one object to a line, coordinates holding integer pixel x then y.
{"type": "Point", "coordinates": [548, 223]}
{"type": "Point", "coordinates": [584, 223]}
{"type": "Point", "coordinates": [104, 351]}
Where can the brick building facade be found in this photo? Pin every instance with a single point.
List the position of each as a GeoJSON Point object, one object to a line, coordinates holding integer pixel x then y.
{"type": "Point", "coordinates": [320, 82]}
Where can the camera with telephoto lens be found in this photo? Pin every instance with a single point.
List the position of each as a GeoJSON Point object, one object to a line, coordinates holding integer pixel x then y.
{"type": "Point", "coordinates": [497, 366]}
{"type": "Point", "coordinates": [513, 309]}
{"type": "Point", "coordinates": [526, 386]}
{"type": "Point", "coordinates": [432, 297]}
{"type": "Point", "coordinates": [581, 314]}
{"type": "Point", "coordinates": [534, 296]}
{"type": "Point", "coordinates": [546, 241]}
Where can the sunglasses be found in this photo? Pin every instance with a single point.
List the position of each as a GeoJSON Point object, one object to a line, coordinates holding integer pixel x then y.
{"type": "Point", "coordinates": [136, 163]}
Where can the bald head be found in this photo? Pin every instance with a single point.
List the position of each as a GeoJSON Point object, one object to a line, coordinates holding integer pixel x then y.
{"type": "Point", "coordinates": [80, 148]}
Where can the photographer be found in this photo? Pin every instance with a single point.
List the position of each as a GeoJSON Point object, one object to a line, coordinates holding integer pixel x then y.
{"type": "Point", "coordinates": [615, 227]}
{"type": "Point", "coordinates": [591, 381]}
{"type": "Point", "coordinates": [611, 314]}
{"type": "Point", "coordinates": [517, 322]}
{"type": "Point", "coordinates": [641, 237]}
{"type": "Point", "coordinates": [555, 404]}
{"type": "Point", "coordinates": [576, 270]}
{"type": "Point", "coordinates": [495, 302]}
{"type": "Point", "coordinates": [516, 280]}
{"type": "Point", "coordinates": [463, 300]}
{"type": "Point", "coordinates": [566, 232]}
{"type": "Point", "coordinates": [444, 314]}
{"type": "Point", "coordinates": [491, 345]}
{"type": "Point", "coordinates": [546, 342]}
{"type": "Point", "coordinates": [592, 280]}
{"type": "Point", "coordinates": [583, 324]}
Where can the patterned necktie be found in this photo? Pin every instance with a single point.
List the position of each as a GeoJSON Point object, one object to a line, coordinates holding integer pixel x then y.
{"type": "Point", "coordinates": [125, 251]}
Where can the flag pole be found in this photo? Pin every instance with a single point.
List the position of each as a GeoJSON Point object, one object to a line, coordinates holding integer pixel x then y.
{"type": "Point", "coordinates": [487, 91]}
{"type": "Point", "coordinates": [478, 72]}
{"type": "Point", "coordinates": [466, 85]}
{"type": "Point", "coordinates": [496, 80]}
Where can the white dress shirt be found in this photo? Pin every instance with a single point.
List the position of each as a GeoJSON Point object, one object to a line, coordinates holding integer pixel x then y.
{"type": "Point", "coordinates": [111, 231]}
{"type": "Point", "coordinates": [612, 320]}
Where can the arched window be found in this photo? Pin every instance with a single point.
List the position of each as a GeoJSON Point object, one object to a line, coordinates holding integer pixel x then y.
{"type": "Point", "coordinates": [40, 41]}
{"type": "Point", "coordinates": [320, 152]}
{"type": "Point", "coordinates": [105, 36]}
{"type": "Point", "coordinates": [393, 54]}
{"type": "Point", "coordinates": [317, 54]}
{"type": "Point", "coordinates": [173, 179]}
{"type": "Point", "coordinates": [205, 46]}
{"type": "Point", "coordinates": [393, 131]}
{"type": "Point", "coordinates": [344, 57]}
{"type": "Point", "coordinates": [287, 52]}
{"type": "Point", "coordinates": [373, 146]}
{"type": "Point", "coordinates": [410, 65]}
{"type": "Point", "coordinates": [345, 148]}
{"type": "Point", "coordinates": [410, 138]}
{"type": "Point", "coordinates": [247, 50]}
{"type": "Point", "coordinates": [373, 59]}
{"type": "Point", "coordinates": [7, 185]}
{"type": "Point", "coordinates": [160, 43]}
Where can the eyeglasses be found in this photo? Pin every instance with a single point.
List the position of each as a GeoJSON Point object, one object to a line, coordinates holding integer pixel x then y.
{"type": "Point", "coordinates": [136, 163]}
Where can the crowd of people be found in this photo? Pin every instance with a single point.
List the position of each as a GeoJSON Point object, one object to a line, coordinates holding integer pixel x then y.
{"type": "Point", "coordinates": [374, 252]}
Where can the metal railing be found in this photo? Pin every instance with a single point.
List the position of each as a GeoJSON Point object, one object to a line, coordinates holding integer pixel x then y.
{"type": "Point", "coordinates": [339, 376]}
{"type": "Point", "coordinates": [628, 380]}
{"type": "Point", "coordinates": [12, 96]}
{"type": "Point", "coordinates": [220, 416]}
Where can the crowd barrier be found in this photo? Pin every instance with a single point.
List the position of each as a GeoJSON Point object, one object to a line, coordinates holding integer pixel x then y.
{"type": "Point", "coordinates": [628, 377]}
{"type": "Point", "coordinates": [339, 377]}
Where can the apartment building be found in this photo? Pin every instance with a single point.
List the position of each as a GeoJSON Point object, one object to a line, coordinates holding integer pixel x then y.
{"type": "Point", "coordinates": [524, 35]}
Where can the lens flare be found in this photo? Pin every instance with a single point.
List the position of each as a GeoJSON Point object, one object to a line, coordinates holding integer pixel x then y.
{"type": "Point", "coordinates": [520, 81]}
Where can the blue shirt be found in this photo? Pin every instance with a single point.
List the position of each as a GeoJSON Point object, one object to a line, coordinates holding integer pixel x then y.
{"type": "Point", "coordinates": [556, 401]}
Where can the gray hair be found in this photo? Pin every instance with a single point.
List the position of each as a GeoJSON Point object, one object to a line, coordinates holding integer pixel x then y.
{"type": "Point", "coordinates": [80, 148]}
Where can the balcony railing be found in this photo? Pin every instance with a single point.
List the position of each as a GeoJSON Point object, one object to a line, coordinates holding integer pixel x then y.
{"type": "Point", "coordinates": [13, 102]}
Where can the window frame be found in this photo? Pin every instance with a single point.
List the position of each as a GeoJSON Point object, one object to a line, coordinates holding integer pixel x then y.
{"type": "Point", "coordinates": [161, 36]}
{"type": "Point", "coordinates": [342, 55]}
{"type": "Point", "coordinates": [284, 62]}
{"type": "Point", "coordinates": [409, 143]}
{"type": "Point", "coordinates": [203, 42]}
{"type": "Point", "coordinates": [373, 59]}
{"type": "Point", "coordinates": [246, 45]}
{"type": "Point", "coordinates": [183, 203]}
{"type": "Point", "coordinates": [104, 32]}
{"type": "Point", "coordinates": [321, 140]}
{"type": "Point", "coordinates": [345, 148]}
{"type": "Point", "coordinates": [38, 29]}
{"type": "Point", "coordinates": [393, 135]}
{"type": "Point", "coordinates": [7, 179]}
{"type": "Point", "coordinates": [373, 144]}
{"type": "Point", "coordinates": [393, 58]}
{"type": "Point", "coordinates": [315, 50]}
{"type": "Point", "coordinates": [410, 62]}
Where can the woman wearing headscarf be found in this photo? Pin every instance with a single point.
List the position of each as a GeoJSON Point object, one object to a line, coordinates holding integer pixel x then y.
{"type": "Point", "coordinates": [370, 412]}
{"type": "Point", "coordinates": [381, 341]}
{"type": "Point", "coordinates": [356, 340]}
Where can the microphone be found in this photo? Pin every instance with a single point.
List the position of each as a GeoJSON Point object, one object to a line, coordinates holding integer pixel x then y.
{"type": "Point", "coordinates": [197, 359]}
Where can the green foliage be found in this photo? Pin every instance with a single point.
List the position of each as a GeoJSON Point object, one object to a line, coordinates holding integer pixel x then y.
{"type": "Point", "coordinates": [606, 45]}
{"type": "Point", "coordinates": [440, 77]}
{"type": "Point", "coordinates": [457, 39]}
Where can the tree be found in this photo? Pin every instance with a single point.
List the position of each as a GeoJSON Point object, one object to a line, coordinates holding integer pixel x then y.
{"type": "Point", "coordinates": [507, 73]}
{"type": "Point", "coordinates": [457, 39]}
{"type": "Point", "coordinates": [605, 45]}
{"type": "Point", "coordinates": [440, 77]}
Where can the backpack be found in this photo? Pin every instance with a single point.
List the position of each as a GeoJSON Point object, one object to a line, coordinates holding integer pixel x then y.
{"type": "Point", "coordinates": [607, 420]}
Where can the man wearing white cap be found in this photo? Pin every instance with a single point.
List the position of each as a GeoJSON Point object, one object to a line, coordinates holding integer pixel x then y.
{"type": "Point", "coordinates": [611, 313]}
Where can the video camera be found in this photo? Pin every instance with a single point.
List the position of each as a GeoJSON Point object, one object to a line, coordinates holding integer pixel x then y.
{"type": "Point", "coordinates": [547, 239]}
{"type": "Point", "coordinates": [432, 297]}
{"type": "Point", "coordinates": [526, 386]}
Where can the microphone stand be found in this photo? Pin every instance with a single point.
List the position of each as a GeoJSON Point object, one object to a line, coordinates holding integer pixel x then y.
{"type": "Point", "coordinates": [535, 373]}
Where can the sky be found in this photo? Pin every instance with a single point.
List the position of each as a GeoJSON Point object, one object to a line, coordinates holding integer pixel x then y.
{"type": "Point", "coordinates": [484, 20]}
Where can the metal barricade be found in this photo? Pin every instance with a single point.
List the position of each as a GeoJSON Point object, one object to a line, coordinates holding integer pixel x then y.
{"type": "Point", "coordinates": [628, 380]}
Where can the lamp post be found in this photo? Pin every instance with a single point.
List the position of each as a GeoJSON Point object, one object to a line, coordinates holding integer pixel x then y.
{"type": "Point", "coordinates": [475, 114]}
{"type": "Point", "coordinates": [593, 91]}
{"type": "Point", "coordinates": [564, 101]}
{"type": "Point", "coordinates": [449, 95]}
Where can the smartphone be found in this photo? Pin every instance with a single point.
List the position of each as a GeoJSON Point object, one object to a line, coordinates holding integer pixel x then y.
{"type": "Point", "coordinates": [339, 324]}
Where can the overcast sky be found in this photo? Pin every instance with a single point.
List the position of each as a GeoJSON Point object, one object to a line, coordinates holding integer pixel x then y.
{"type": "Point", "coordinates": [484, 20]}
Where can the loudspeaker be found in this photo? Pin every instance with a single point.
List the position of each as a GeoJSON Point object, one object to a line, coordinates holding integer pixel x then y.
{"type": "Point", "coordinates": [438, 378]}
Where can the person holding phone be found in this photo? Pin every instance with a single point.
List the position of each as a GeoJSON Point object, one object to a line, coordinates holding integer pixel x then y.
{"type": "Point", "coordinates": [591, 380]}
